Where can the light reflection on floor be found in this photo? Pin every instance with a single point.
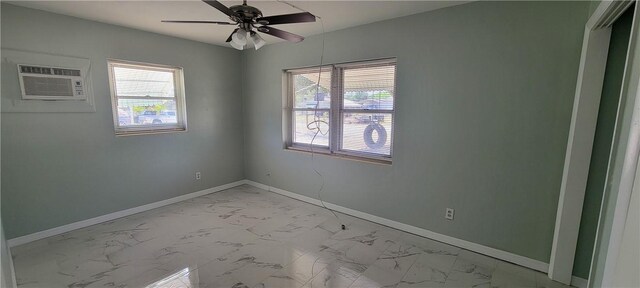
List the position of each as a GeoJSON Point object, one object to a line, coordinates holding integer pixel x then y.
{"type": "Point", "coordinates": [181, 279]}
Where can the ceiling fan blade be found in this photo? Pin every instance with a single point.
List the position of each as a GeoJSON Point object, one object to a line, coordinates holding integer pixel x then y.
{"type": "Point", "coordinates": [280, 34]}
{"type": "Point", "coordinates": [234, 31]}
{"type": "Point", "coordinates": [219, 6]}
{"type": "Point", "coordinates": [287, 18]}
{"type": "Point", "coordinates": [198, 22]}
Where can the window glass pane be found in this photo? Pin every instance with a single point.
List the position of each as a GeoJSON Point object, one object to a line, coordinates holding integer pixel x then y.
{"type": "Point", "coordinates": [371, 133]}
{"type": "Point", "coordinates": [306, 125]}
{"type": "Point", "coordinates": [369, 87]}
{"type": "Point", "coordinates": [304, 90]}
{"type": "Point", "coordinates": [141, 82]}
{"type": "Point", "coordinates": [135, 112]}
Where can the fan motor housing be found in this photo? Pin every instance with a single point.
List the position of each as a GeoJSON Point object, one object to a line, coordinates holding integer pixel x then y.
{"type": "Point", "coordinates": [245, 13]}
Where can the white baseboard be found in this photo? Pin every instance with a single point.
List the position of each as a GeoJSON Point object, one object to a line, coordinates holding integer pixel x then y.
{"type": "Point", "coordinates": [496, 253]}
{"type": "Point", "coordinates": [115, 215]}
{"type": "Point", "coordinates": [12, 270]}
{"type": "Point", "coordinates": [579, 282]}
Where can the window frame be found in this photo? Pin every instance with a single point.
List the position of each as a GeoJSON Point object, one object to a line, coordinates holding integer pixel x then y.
{"type": "Point", "coordinates": [336, 111]}
{"type": "Point", "coordinates": [293, 109]}
{"type": "Point", "coordinates": [179, 97]}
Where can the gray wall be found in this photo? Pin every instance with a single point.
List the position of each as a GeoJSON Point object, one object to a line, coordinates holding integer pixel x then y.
{"type": "Point", "coordinates": [484, 99]}
{"type": "Point", "coordinates": [6, 263]}
{"type": "Point", "coordinates": [58, 168]}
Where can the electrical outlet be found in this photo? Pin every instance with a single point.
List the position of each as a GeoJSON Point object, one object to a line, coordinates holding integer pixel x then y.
{"type": "Point", "coordinates": [268, 174]}
{"type": "Point", "coordinates": [449, 214]}
{"type": "Point", "coordinates": [198, 175]}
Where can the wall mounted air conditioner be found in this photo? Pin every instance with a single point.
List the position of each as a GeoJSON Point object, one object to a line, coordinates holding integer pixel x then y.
{"type": "Point", "coordinates": [51, 83]}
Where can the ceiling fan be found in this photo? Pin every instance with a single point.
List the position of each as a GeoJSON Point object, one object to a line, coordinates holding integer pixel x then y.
{"type": "Point", "coordinates": [247, 18]}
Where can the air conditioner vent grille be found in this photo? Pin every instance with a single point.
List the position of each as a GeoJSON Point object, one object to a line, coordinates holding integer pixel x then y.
{"type": "Point", "coordinates": [66, 72]}
{"type": "Point", "coordinates": [40, 86]}
{"type": "Point", "coordinates": [49, 71]}
{"type": "Point", "coordinates": [51, 83]}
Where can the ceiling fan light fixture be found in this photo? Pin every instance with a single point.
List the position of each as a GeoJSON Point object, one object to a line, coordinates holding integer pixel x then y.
{"type": "Point", "coordinates": [239, 38]}
{"type": "Point", "coordinates": [257, 40]}
{"type": "Point", "coordinates": [237, 46]}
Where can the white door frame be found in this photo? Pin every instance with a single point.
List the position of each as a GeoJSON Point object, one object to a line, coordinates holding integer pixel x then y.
{"type": "Point", "coordinates": [595, 48]}
{"type": "Point", "coordinates": [622, 165]}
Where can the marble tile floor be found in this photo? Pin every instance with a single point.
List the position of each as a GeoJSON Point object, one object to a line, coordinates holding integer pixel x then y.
{"type": "Point", "coordinates": [248, 237]}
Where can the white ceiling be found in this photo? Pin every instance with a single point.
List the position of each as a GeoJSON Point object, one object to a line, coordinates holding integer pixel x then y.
{"type": "Point", "coordinates": [146, 15]}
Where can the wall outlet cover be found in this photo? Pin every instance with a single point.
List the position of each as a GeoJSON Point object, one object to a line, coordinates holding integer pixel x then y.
{"type": "Point", "coordinates": [449, 214]}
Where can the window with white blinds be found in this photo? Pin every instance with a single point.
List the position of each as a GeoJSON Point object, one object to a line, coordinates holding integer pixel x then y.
{"type": "Point", "coordinates": [343, 109]}
{"type": "Point", "coordinates": [146, 98]}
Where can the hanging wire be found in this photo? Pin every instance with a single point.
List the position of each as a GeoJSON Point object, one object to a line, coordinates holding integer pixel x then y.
{"type": "Point", "coordinates": [315, 124]}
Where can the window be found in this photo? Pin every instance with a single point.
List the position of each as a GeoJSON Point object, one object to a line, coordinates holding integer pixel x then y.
{"type": "Point", "coordinates": [342, 109]}
{"type": "Point", "coordinates": [146, 98]}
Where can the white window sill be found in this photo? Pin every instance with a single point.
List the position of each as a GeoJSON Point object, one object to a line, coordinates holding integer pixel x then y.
{"type": "Point", "coordinates": [120, 133]}
{"type": "Point", "coordinates": [341, 155]}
